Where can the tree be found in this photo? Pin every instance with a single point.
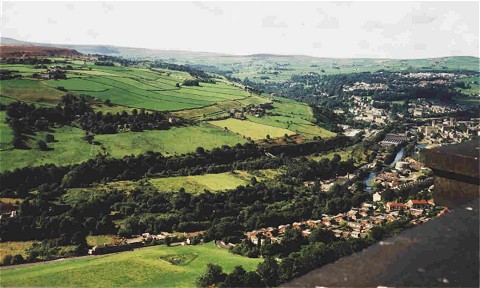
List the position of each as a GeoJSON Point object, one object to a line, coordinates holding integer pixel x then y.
{"type": "Point", "coordinates": [388, 195]}
{"type": "Point", "coordinates": [236, 278]}
{"type": "Point", "coordinates": [376, 233]}
{"type": "Point", "coordinates": [268, 271]}
{"type": "Point", "coordinates": [177, 85]}
{"type": "Point", "coordinates": [49, 138]}
{"type": "Point", "coordinates": [168, 240]}
{"type": "Point", "coordinates": [252, 279]}
{"type": "Point", "coordinates": [321, 235]}
{"type": "Point", "coordinates": [212, 276]}
{"type": "Point", "coordinates": [7, 259]}
{"type": "Point", "coordinates": [17, 259]}
{"type": "Point", "coordinates": [42, 145]}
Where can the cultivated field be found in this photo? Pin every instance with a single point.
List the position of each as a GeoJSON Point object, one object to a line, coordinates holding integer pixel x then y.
{"type": "Point", "coordinates": [150, 266]}
{"type": "Point", "coordinates": [356, 152]}
{"type": "Point", "coordinates": [248, 129]}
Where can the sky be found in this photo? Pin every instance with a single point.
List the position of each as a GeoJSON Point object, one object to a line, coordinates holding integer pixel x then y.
{"type": "Point", "coordinates": [322, 29]}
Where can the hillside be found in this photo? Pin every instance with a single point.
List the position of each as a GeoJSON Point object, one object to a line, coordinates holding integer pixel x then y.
{"type": "Point", "coordinates": [271, 67]}
{"type": "Point", "coordinates": [203, 112]}
{"type": "Point", "coordinates": [15, 51]}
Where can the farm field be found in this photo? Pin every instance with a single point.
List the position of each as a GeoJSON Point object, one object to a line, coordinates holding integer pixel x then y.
{"type": "Point", "coordinates": [294, 116]}
{"type": "Point", "coordinates": [139, 268]}
{"type": "Point", "coordinates": [6, 133]}
{"type": "Point", "coordinates": [278, 68]}
{"type": "Point", "coordinates": [248, 129]}
{"type": "Point", "coordinates": [131, 87]}
{"type": "Point", "coordinates": [68, 149]}
{"type": "Point", "coordinates": [178, 140]}
{"type": "Point", "coordinates": [192, 184]}
{"type": "Point", "coordinates": [29, 91]}
{"type": "Point", "coordinates": [212, 182]}
{"type": "Point", "coordinates": [354, 151]}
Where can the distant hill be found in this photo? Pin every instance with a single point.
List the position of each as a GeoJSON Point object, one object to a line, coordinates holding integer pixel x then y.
{"type": "Point", "coordinates": [15, 51]}
{"type": "Point", "coordinates": [258, 67]}
{"type": "Point", "coordinates": [111, 50]}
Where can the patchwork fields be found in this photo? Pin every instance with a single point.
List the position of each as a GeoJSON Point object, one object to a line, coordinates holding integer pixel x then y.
{"type": "Point", "coordinates": [138, 268]}
{"type": "Point", "coordinates": [152, 89]}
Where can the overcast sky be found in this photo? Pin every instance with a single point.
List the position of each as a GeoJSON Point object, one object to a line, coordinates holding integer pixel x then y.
{"type": "Point", "coordinates": [324, 29]}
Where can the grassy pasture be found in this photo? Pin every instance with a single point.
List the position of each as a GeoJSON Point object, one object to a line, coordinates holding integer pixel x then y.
{"type": "Point", "coordinates": [294, 116]}
{"type": "Point", "coordinates": [30, 91]}
{"type": "Point", "coordinates": [138, 268]}
{"type": "Point", "coordinates": [212, 182]}
{"type": "Point", "coordinates": [173, 141]}
{"type": "Point", "coordinates": [358, 153]}
{"type": "Point", "coordinates": [128, 86]}
{"type": "Point", "coordinates": [6, 133]}
{"type": "Point", "coordinates": [69, 148]}
{"type": "Point", "coordinates": [252, 130]}
{"type": "Point", "coordinates": [219, 109]}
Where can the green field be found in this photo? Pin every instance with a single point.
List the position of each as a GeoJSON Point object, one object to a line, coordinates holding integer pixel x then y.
{"type": "Point", "coordinates": [69, 148]}
{"type": "Point", "coordinates": [219, 109]}
{"type": "Point", "coordinates": [6, 133]}
{"type": "Point", "coordinates": [356, 152]}
{"type": "Point", "coordinates": [173, 141]}
{"type": "Point", "coordinates": [248, 129]}
{"type": "Point", "coordinates": [29, 90]}
{"type": "Point", "coordinates": [145, 267]}
{"type": "Point", "coordinates": [192, 184]}
{"type": "Point", "coordinates": [127, 86]}
{"type": "Point", "coordinates": [294, 116]}
{"type": "Point", "coordinates": [211, 182]}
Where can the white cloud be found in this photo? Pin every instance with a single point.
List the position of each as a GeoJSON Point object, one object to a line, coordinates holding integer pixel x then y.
{"type": "Point", "coordinates": [338, 29]}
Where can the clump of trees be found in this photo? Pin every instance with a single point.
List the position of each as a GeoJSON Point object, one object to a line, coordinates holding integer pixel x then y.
{"type": "Point", "coordinates": [191, 82]}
